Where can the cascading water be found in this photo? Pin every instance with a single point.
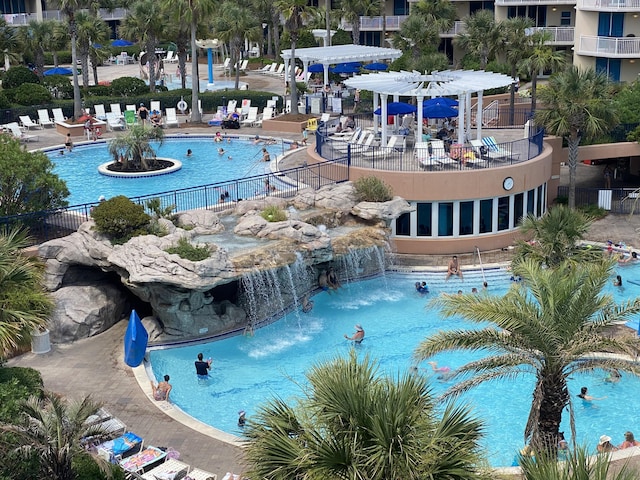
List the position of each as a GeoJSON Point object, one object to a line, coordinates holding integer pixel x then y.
{"type": "Point", "coordinates": [362, 262]}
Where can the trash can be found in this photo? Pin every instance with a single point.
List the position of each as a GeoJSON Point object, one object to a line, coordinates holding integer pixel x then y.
{"type": "Point", "coordinates": [40, 342]}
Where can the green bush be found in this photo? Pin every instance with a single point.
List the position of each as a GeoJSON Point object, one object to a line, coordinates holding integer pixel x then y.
{"type": "Point", "coordinates": [341, 37]}
{"type": "Point", "coordinates": [31, 94]}
{"type": "Point", "coordinates": [186, 250]}
{"type": "Point", "coordinates": [59, 86]}
{"type": "Point", "coordinates": [372, 189]}
{"type": "Point", "coordinates": [17, 384]}
{"type": "Point", "coordinates": [594, 211]}
{"type": "Point", "coordinates": [4, 101]}
{"type": "Point", "coordinates": [18, 75]}
{"type": "Point", "coordinates": [97, 91]}
{"type": "Point", "coordinates": [273, 214]}
{"type": "Point", "coordinates": [128, 87]}
{"type": "Point", "coordinates": [120, 219]}
{"type": "Point", "coordinates": [86, 468]}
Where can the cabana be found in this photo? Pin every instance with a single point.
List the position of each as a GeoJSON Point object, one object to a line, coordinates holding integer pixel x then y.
{"type": "Point", "coordinates": [460, 83]}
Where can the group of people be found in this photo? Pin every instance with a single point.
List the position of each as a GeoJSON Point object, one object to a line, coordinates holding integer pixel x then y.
{"type": "Point", "coordinates": [328, 280]}
{"type": "Point", "coordinates": [605, 445]}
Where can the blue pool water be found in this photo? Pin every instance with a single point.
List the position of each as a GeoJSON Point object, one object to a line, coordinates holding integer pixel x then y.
{"type": "Point", "coordinates": [79, 168]}
{"type": "Point", "coordinates": [249, 370]}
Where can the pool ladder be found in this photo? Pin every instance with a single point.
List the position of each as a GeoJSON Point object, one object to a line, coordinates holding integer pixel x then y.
{"type": "Point", "coordinates": [481, 266]}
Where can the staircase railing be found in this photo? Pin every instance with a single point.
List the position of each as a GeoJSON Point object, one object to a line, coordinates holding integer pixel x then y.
{"type": "Point", "coordinates": [484, 279]}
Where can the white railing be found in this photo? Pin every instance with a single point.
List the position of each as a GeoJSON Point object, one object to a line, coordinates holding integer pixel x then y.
{"type": "Point", "coordinates": [610, 5]}
{"type": "Point", "coordinates": [559, 34]}
{"type": "Point", "coordinates": [535, 2]}
{"type": "Point", "coordinates": [393, 22]}
{"type": "Point", "coordinates": [25, 18]}
{"type": "Point", "coordinates": [612, 47]}
{"type": "Point", "coordinates": [457, 29]}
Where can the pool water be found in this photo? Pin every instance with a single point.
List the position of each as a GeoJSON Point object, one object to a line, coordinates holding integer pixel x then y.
{"type": "Point", "coordinates": [248, 370]}
{"type": "Point", "coordinates": [79, 168]}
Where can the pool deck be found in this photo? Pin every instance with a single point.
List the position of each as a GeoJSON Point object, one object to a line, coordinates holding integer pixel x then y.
{"type": "Point", "coordinates": [95, 365]}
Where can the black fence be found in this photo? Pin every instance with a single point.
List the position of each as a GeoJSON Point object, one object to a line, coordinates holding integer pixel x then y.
{"type": "Point", "coordinates": [622, 200]}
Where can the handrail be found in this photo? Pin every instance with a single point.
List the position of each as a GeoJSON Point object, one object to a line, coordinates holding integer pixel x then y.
{"type": "Point", "coordinates": [484, 279]}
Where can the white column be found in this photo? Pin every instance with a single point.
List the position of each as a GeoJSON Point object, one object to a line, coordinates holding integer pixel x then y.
{"type": "Point", "coordinates": [462, 100]}
{"type": "Point", "coordinates": [287, 77]}
{"type": "Point", "coordinates": [305, 71]}
{"type": "Point", "coordinates": [383, 117]}
{"type": "Point", "coordinates": [420, 100]}
{"type": "Point", "coordinates": [326, 73]}
{"type": "Point", "coordinates": [376, 104]}
{"type": "Point", "coordinates": [467, 113]}
{"type": "Point", "coordinates": [479, 116]}
{"type": "Point", "coordinates": [396, 118]}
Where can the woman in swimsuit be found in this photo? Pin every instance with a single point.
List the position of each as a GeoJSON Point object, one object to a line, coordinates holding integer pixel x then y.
{"type": "Point", "coordinates": [143, 113]}
{"type": "Point", "coordinates": [161, 391]}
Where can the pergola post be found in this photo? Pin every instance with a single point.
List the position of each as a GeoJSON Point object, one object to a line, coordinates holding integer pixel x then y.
{"type": "Point", "coordinates": [325, 67]}
{"type": "Point", "coordinates": [376, 104]}
{"type": "Point", "coordinates": [462, 104]}
{"type": "Point", "coordinates": [479, 116]}
{"type": "Point", "coordinates": [467, 129]}
{"type": "Point", "coordinates": [305, 71]}
{"type": "Point", "coordinates": [383, 116]}
{"type": "Point", "coordinates": [420, 118]}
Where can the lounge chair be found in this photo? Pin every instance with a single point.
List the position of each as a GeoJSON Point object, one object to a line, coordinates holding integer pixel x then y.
{"type": "Point", "coordinates": [252, 117]}
{"type": "Point", "coordinates": [114, 122]}
{"type": "Point", "coordinates": [155, 105]}
{"type": "Point", "coordinates": [115, 108]}
{"type": "Point", "coordinates": [44, 119]}
{"type": "Point", "coordinates": [197, 474]}
{"type": "Point", "coordinates": [142, 460]}
{"type": "Point", "coordinates": [231, 106]}
{"type": "Point", "coordinates": [266, 114]}
{"type": "Point", "coordinates": [495, 150]}
{"type": "Point", "coordinates": [171, 57]}
{"type": "Point", "coordinates": [171, 117]}
{"type": "Point", "coordinates": [101, 113]}
{"type": "Point", "coordinates": [244, 65]}
{"type": "Point", "coordinates": [246, 105]}
{"type": "Point", "coordinates": [58, 116]}
{"type": "Point", "coordinates": [361, 146]}
{"type": "Point", "coordinates": [26, 122]}
{"type": "Point", "coordinates": [395, 144]}
{"type": "Point", "coordinates": [280, 70]}
{"type": "Point", "coordinates": [15, 130]}
{"type": "Point", "coordinates": [131, 108]}
{"type": "Point", "coordinates": [422, 155]}
{"type": "Point", "coordinates": [170, 469]}
{"type": "Point", "coordinates": [123, 446]}
{"type": "Point", "coordinates": [108, 423]}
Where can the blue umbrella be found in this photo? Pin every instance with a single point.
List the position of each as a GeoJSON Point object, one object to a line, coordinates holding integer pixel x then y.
{"type": "Point", "coordinates": [121, 43]}
{"type": "Point", "coordinates": [345, 68]}
{"type": "Point", "coordinates": [135, 341]}
{"type": "Point", "coordinates": [58, 71]}
{"type": "Point", "coordinates": [376, 67]}
{"type": "Point", "coordinates": [397, 108]}
{"type": "Point", "coordinates": [97, 45]}
{"type": "Point", "coordinates": [448, 102]}
{"type": "Point", "coordinates": [438, 111]}
{"type": "Point", "coordinates": [316, 68]}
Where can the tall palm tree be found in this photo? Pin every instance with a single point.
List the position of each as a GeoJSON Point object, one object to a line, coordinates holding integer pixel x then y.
{"type": "Point", "coordinates": [194, 12]}
{"type": "Point", "coordinates": [441, 13]}
{"type": "Point", "coordinates": [552, 329]}
{"type": "Point", "coordinates": [134, 147]}
{"type": "Point", "coordinates": [516, 31]}
{"type": "Point", "coordinates": [352, 10]}
{"type": "Point", "coordinates": [25, 304]}
{"type": "Point", "coordinates": [483, 36]}
{"type": "Point", "coordinates": [52, 430]}
{"type": "Point", "coordinates": [35, 37]}
{"type": "Point", "coordinates": [577, 105]}
{"type": "Point", "coordinates": [9, 43]}
{"type": "Point", "coordinates": [354, 423]}
{"type": "Point", "coordinates": [541, 56]}
{"type": "Point", "coordinates": [91, 30]}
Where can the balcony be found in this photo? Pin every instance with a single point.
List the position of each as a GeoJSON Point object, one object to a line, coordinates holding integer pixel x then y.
{"type": "Point", "coordinates": [559, 35]}
{"type": "Point", "coordinates": [509, 3]}
{"type": "Point", "coordinates": [374, 24]}
{"type": "Point", "coordinates": [457, 29]}
{"type": "Point", "coordinates": [609, 47]}
{"type": "Point", "coordinates": [610, 5]}
{"type": "Point", "coordinates": [25, 18]}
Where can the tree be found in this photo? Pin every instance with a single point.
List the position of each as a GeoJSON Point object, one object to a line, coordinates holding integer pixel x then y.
{"type": "Point", "coordinates": [52, 429]}
{"type": "Point", "coordinates": [34, 38]}
{"type": "Point", "coordinates": [134, 147]}
{"type": "Point", "coordinates": [354, 423]}
{"type": "Point", "coordinates": [553, 328]}
{"type": "Point", "coordinates": [8, 43]}
{"type": "Point", "coordinates": [352, 10]}
{"type": "Point", "coordinates": [516, 37]}
{"type": "Point", "coordinates": [91, 30]}
{"type": "Point", "coordinates": [25, 304]}
{"type": "Point", "coordinates": [27, 181]}
{"type": "Point", "coordinates": [483, 36]}
{"type": "Point", "coordinates": [577, 105]}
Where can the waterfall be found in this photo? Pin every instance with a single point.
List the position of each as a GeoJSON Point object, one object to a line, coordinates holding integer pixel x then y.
{"type": "Point", "coordinates": [362, 262]}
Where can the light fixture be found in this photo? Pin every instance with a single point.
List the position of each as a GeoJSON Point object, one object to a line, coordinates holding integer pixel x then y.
{"type": "Point", "coordinates": [635, 15]}
{"type": "Point", "coordinates": [554, 9]}
{"type": "Point", "coordinates": [632, 61]}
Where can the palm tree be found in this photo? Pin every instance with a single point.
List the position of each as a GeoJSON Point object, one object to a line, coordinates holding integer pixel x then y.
{"type": "Point", "coordinates": [552, 329]}
{"type": "Point", "coordinates": [515, 34]}
{"type": "Point", "coordinates": [34, 38]}
{"type": "Point", "coordinates": [441, 13]}
{"type": "Point", "coordinates": [8, 43]}
{"type": "Point", "coordinates": [236, 23]}
{"type": "Point", "coordinates": [483, 36]}
{"type": "Point", "coordinates": [541, 56]}
{"type": "Point", "coordinates": [91, 30]}
{"type": "Point", "coordinates": [25, 304]}
{"type": "Point", "coordinates": [354, 423]}
{"type": "Point", "coordinates": [52, 430]}
{"type": "Point", "coordinates": [59, 40]}
{"type": "Point", "coordinates": [194, 12]}
{"type": "Point", "coordinates": [352, 10]}
{"type": "Point", "coordinates": [577, 105]}
{"type": "Point", "coordinates": [134, 147]}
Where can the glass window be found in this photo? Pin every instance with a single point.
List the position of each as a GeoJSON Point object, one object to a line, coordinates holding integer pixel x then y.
{"type": "Point", "coordinates": [518, 203]}
{"type": "Point", "coordinates": [486, 214]}
{"type": "Point", "coordinates": [445, 219]}
{"type": "Point", "coordinates": [530, 205]}
{"type": "Point", "coordinates": [400, 7]}
{"type": "Point", "coordinates": [540, 208]}
{"type": "Point", "coordinates": [424, 219]}
{"type": "Point", "coordinates": [503, 213]}
{"type": "Point", "coordinates": [466, 218]}
{"type": "Point", "coordinates": [403, 224]}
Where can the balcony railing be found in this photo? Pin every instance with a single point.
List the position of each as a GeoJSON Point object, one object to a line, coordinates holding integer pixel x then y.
{"type": "Point", "coordinates": [457, 29]}
{"type": "Point", "coordinates": [559, 35]}
{"type": "Point", "coordinates": [503, 3]}
{"type": "Point", "coordinates": [393, 22]}
{"type": "Point", "coordinates": [610, 47]}
{"type": "Point", "coordinates": [25, 18]}
{"type": "Point", "coordinates": [610, 5]}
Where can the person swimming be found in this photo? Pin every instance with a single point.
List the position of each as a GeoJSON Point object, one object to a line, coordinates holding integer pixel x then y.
{"type": "Point", "coordinates": [358, 336]}
{"type": "Point", "coordinates": [307, 304]}
{"type": "Point", "coordinates": [442, 373]}
{"type": "Point", "coordinates": [422, 288]}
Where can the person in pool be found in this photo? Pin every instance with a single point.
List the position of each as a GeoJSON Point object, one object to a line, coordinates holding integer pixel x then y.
{"type": "Point", "coordinates": [358, 336]}
{"type": "Point", "coordinates": [422, 287]}
{"type": "Point", "coordinates": [584, 395]}
{"type": "Point", "coordinates": [307, 304]}
{"type": "Point", "coordinates": [189, 152]}
{"type": "Point", "coordinates": [202, 367]}
{"type": "Point", "coordinates": [631, 258]}
{"type": "Point", "coordinates": [618, 281]}
{"type": "Point", "coordinates": [162, 390]}
{"type": "Point", "coordinates": [242, 420]}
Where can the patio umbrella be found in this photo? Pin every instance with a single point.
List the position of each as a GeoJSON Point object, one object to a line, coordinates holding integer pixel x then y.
{"type": "Point", "coordinates": [58, 71]}
{"type": "Point", "coordinates": [316, 68]}
{"type": "Point", "coordinates": [135, 341]}
{"type": "Point", "coordinates": [438, 111]}
{"type": "Point", "coordinates": [345, 68]}
{"type": "Point", "coordinates": [376, 66]}
{"type": "Point", "coordinates": [121, 43]}
{"type": "Point", "coordinates": [449, 102]}
{"type": "Point", "coordinates": [397, 108]}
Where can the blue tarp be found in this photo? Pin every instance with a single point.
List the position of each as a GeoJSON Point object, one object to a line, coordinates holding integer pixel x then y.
{"type": "Point", "coordinates": [135, 341]}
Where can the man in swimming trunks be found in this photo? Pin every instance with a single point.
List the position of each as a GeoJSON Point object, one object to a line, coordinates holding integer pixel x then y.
{"type": "Point", "coordinates": [161, 391]}
{"type": "Point", "coordinates": [202, 367]}
{"type": "Point", "coordinates": [453, 268]}
{"type": "Point", "coordinates": [358, 336]}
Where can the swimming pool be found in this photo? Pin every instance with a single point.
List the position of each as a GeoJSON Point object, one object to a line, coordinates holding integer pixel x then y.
{"type": "Point", "coordinates": [79, 168]}
{"type": "Point", "coordinates": [249, 370]}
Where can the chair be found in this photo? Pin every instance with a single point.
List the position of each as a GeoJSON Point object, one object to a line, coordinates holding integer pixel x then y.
{"type": "Point", "coordinates": [324, 118]}
{"type": "Point", "coordinates": [198, 474]}
{"type": "Point", "coordinates": [266, 114]}
{"type": "Point", "coordinates": [244, 65]}
{"type": "Point", "coordinates": [246, 104]}
{"type": "Point", "coordinates": [421, 154]}
{"type": "Point", "coordinates": [171, 469]}
{"type": "Point", "coordinates": [279, 70]}
{"type": "Point", "coordinates": [116, 110]}
{"type": "Point", "coordinates": [407, 125]}
{"type": "Point", "coordinates": [131, 108]}
{"type": "Point", "coordinates": [26, 122]}
{"type": "Point", "coordinates": [252, 116]}
{"type": "Point", "coordinates": [396, 143]}
{"type": "Point", "coordinates": [141, 460]}
{"type": "Point", "coordinates": [14, 128]}
{"type": "Point", "coordinates": [272, 104]}
{"type": "Point", "coordinates": [312, 125]}
{"type": "Point", "coordinates": [114, 122]}
{"type": "Point", "coordinates": [129, 118]}
{"type": "Point", "coordinates": [171, 117]}
{"type": "Point", "coordinates": [226, 64]}
{"type": "Point", "coordinates": [231, 106]}
{"type": "Point", "coordinates": [101, 114]}
{"type": "Point", "coordinates": [58, 116]}
{"type": "Point", "coordinates": [155, 105]}
{"type": "Point", "coordinates": [495, 151]}
{"type": "Point", "coordinates": [171, 57]}
{"type": "Point", "coordinates": [44, 119]}
{"type": "Point", "coordinates": [264, 69]}
{"type": "Point", "coordinates": [115, 450]}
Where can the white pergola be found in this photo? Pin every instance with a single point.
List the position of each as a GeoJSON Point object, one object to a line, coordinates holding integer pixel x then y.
{"type": "Point", "coordinates": [459, 83]}
{"type": "Point", "coordinates": [338, 54]}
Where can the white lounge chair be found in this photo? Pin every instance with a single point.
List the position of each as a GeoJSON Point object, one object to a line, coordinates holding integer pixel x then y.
{"type": "Point", "coordinates": [155, 105]}
{"type": "Point", "coordinates": [101, 114]}
{"type": "Point", "coordinates": [171, 117]}
{"type": "Point", "coordinates": [114, 122]}
{"type": "Point", "coordinates": [422, 156]}
{"type": "Point", "coordinates": [26, 122]}
{"type": "Point", "coordinates": [365, 139]}
{"type": "Point", "coordinates": [226, 64]}
{"type": "Point", "coordinates": [496, 151]}
{"type": "Point", "coordinates": [171, 57]}
{"type": "Point", "coordinates": [252, 117]}
{"type": "Point", "coordinates": [197, 474]}
{"type": "Point", "coordinates": [15, 130]}
{"type": "Point", "coordinates": [115, 109]}
{"type": "Point", "coordinates": [246, 105]}
{"type": "Point", "coordinates": [170, 469]}
{"type": "Point", "coordinates": [231, 106]}
{"type": "Point", "coordinates": [279, 70]}
{"type": "Point", "coordinates": [131, 108]}
{"type": "Point", "coordinates": [264, 69]}
{"type": "Point", "coordinates": [266, 114]}
{"type": "Point", "coordinates": [58, 116]}
{"type": "Point", "coordinates": [44, 119]}
{"type": "Point", "coordinates": [395, 144]}
{"type": "Point", "coordinates": [244, 65]}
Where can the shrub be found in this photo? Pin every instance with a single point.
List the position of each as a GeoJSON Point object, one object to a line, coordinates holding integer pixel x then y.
{"type": "Point", "coordinates": [59, 86]}
{"type": "Point", "coordinates": [594, 211]}
{"type": "Point", "coordinates": [4, 101]}
{"type": "Point", "coordinates": [97, 91]}
{"type": "Point", "coordinates": [16, 76]}
{"type": "Point", "coordinates": [31, 94]}
{"type": "Point", "coordinates": [17, 384]}
{"type": "Point", "coordinates": [372, 189]}
{"type": "Point", "coordinates": [86, 468]}
{"type": "Point", "coordinates": [186, 250]}
{"type": "Point", "coordinates": [128, 87]}
{"type": "Point", "coordinates": [120, 219]}
{"type": "Point", "coordinates": [273, 214]}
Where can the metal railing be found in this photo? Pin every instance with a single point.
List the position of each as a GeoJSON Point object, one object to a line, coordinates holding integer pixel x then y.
{"type": "Point", "coordinates": [622, 47]}
{"type": "Point", "coordinates": [623, 200]}
{"type": "Point", "coordinates": [559, 35]}
{"type": "Point", "coordinates": [535, 2]}
{"type": "Point", "coordinates": [50, 224]}
{"type": "Point", "coordinates": [610, 5]}
{"type": "Point", "coordinates": [25, 18]}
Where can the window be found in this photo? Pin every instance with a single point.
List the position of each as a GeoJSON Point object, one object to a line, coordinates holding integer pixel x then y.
{"type": "Point", "coordinates": [518, 203]}
{"type": "Point", "coordinates": [424, 219]}
{"type": "Point", "coordinates": [445, 219]}
{"type": "Point", "coordinates": [486, 215]}
{"type": "Point", "coordinates": [565, 19]}
{"type": "Point", "coordinates": [531, 207]}
{"type": "Point", "coordinates": [540, 205]}
{"type": "Point", "coordinates": [481, 5]}
{"type": "Point", "coordinates": [400, 7]}
{"type": "Point", "coordinates": [503, 213]}
{"type": "Point", "coordinates": [403, 224]}
{"type": "Point", "coordinates": [466, 218]}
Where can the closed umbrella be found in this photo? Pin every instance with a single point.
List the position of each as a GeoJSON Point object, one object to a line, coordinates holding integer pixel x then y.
{"type": "Point", "coordinates": [397, 108]}
{"type": "Point", "coordinates": [439, 111]}
{"type": "Point", "coordinates": [449, 102]}
{"type": "Point", "coordinates": [316, 68]}
{"type": "Point", "coordinates": [376, 66]}
{"type": "Point", "coordinates": [135, 341]}
{"type": "Point", "coordinates": [121, 43]}
{"type": "Point", "coordinates": [58, 71]}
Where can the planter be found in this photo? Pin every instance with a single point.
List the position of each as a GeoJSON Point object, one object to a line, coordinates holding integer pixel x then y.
{"type": "Point", "coordinates": [274, 125]}
{"type": "Point", "coordinates": [77, 130]}
{"type": "Point", "coordinates": [40, 342]}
